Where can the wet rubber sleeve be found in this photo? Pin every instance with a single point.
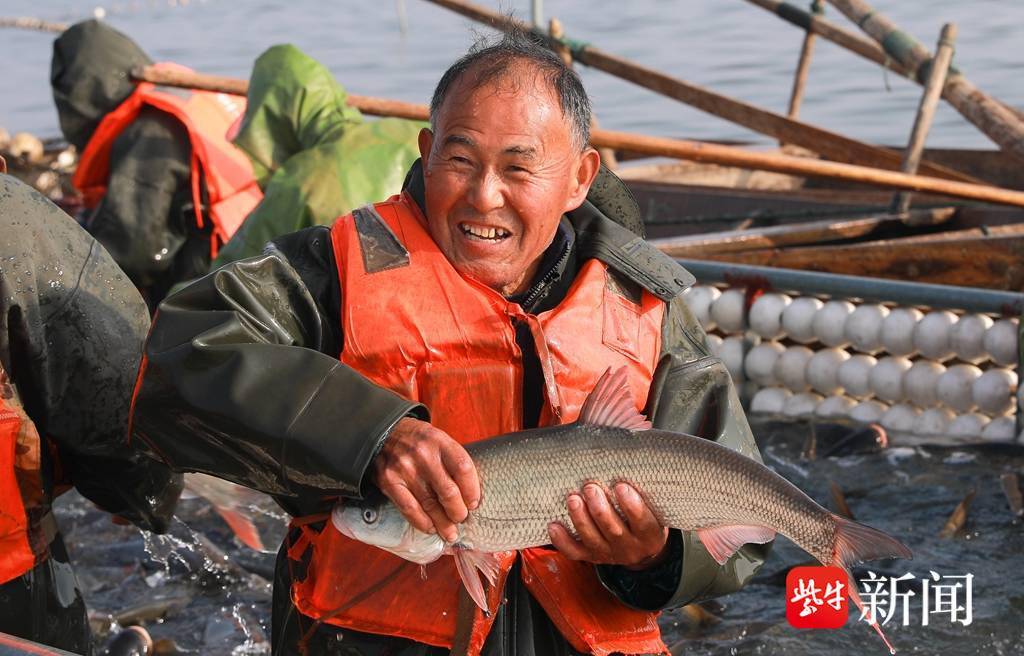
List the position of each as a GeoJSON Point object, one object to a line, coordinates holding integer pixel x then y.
{"type": "Point", "coordinates": [147, 220]}
{"type": "Point", "coordinates": [693, 393]}
{"type": "Point", "coordinates": [71, 333]}
{"type": "Point", "coordinates": [242, 378]}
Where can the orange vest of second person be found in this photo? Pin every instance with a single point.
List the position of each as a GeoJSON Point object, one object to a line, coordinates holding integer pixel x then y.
{"type": "Point", "coordinates": [413, 324]}
{"type": "Point", "coordinates": [22, 541]}
{"type": "Point", "coordinates": [208, 116]}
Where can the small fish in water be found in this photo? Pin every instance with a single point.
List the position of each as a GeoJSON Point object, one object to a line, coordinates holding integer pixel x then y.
{"type": "Point", "coordinates": [869, 439]}
{"type": "Point", "coordinates": [958, 517]}
{"type": "Point", "coordinates": [231, 501]}
{"type": "Point", "coordinates": [133, 641]}
{"type": "Point", "coordinates": [839, 500]}
{"type": "Point", "coordinates": [1011, 488]}
{"type": "Point", "coordinates": [690, 483]}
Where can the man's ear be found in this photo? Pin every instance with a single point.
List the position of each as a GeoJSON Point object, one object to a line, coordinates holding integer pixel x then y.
{"type": "Point", "coordinates": [586, 171]}
{"type": "Point", "coordinates": [426, 142]}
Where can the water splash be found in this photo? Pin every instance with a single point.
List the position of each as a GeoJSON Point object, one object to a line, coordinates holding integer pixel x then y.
{"type": "Point", "coordinates": [255, 638]}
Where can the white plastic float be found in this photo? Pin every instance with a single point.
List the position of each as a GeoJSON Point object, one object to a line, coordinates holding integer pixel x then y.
{"type": "Point", "coordinates": [800, 355]}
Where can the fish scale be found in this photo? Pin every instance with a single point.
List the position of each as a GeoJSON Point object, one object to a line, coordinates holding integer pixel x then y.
{"type": "Point", "coordinates": [690, 482]}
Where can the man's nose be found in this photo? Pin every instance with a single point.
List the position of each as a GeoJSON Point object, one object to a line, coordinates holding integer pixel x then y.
{"type": "Point", "coordinates": [487, 192]}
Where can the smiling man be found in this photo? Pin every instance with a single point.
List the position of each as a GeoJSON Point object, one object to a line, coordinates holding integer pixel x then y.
{"type": "Point", "coordinates": [488, 297]}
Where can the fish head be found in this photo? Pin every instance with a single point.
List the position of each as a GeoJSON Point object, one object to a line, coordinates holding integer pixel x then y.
{"type": "Point", "coordinates": [377, 522]}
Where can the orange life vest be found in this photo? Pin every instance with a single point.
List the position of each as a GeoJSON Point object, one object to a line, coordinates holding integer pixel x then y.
{"type": "Point", "coordinates": [419, 328]}
{"type": "Point", "coordinates": [208, 116]}
{"type": "Point", "coordinates": [22, 542]}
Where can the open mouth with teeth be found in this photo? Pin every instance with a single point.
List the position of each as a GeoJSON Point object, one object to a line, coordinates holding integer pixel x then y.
{"type": "Point", "coordinates": [484, 233]}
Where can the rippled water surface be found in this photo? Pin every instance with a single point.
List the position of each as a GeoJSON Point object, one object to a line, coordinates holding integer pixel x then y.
{"type": "Point", "coordinates": [727, 45]}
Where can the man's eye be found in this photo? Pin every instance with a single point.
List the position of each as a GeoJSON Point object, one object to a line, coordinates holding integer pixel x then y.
{"type": "Point", "coordinates": [456, 159]}
{"type": "Point", "coordinates": [518, 170]}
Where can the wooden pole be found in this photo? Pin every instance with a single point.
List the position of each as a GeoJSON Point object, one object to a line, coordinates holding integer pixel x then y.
{"type": "Point", "coordinates": [810, 232]}
{"type": "Point", "coordinates": [556, 31]}
{"type": "Point", "coordinates": [796, 97]}
{"type": "Point", "coordinates": [989, 115]}
{"type": "Point", "coordinates": [30, 23]}
{"type": "Point", "coordinates": [845, 39]}
{"type": "Point", "coordinates": [238, 87]}
{"type": "Point", "coordinates": [828, 144]}
{"type": "Point", "coordinates": [802, 166]}
{"type": "Point", "coordinates": [662, 147]}
{"type": "Point", "coordinates": [926, 111]}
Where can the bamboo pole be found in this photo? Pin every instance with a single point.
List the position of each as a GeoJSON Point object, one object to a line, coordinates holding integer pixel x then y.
{"type": "Point", "coordinates": [926, 111]}
{"type": "Point", "coordinates": [660, 146]}
{"type": "Point", "coordinates": [858, 45]}
{"type": "Point", "coordinates": [828, 30]}
{"type": "Point", "coordinates": [796, 97]}
{"type": "Point", "coordinates": [989, 115]}
{"type": "Point", "coordinates": [828, 144]}
{"type": "Point", "coordinates": [556, 31]}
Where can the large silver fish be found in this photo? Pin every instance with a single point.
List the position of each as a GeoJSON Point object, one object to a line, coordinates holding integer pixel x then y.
{"type": "Point", "coordinates": [690, 483]}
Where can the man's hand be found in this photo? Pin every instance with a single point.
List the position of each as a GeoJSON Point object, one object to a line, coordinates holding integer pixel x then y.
{"type": "Point", "coordinates": [428, 476]}
{"type": "Point", "coordinates": [634, 539]}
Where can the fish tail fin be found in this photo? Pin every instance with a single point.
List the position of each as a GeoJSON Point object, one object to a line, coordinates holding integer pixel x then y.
{"type": "Point", "coordinates": [243, 527]}
{"type": "Point", "coordinates": [855, 542]}
{"type": "Point", "coordinates": [471, 564]}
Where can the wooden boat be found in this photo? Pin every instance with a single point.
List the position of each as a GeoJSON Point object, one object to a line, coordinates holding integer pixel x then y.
{"type": "Point", "coordinates": [726, 214]}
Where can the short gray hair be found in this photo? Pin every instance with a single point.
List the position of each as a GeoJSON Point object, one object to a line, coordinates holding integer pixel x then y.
{"type": "Point", "coordinates": [492, 60]}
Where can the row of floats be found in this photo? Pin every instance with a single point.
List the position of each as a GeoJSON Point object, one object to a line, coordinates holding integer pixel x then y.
{"type": "Point", "coordinates": [935, 373]}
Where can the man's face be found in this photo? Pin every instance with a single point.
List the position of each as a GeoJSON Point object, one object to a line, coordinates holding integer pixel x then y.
{"type": "Point", "coordinates": [500, 172]}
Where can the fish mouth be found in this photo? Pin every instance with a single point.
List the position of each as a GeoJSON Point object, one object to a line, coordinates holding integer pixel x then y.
{"type": "Point", "coordinates": [338, 520]}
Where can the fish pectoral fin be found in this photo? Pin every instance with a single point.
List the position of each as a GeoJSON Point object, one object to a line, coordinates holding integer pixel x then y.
{"type": "Point", "coordinates": [611, 404]}
{"type": "Point", "coordinates": [471, 564]}
{"type": "Point", "coordinates": [723, 541]}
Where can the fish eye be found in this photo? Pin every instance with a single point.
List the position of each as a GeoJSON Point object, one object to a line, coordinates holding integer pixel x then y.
{"type": "Point", "coordinates": [369, 515]}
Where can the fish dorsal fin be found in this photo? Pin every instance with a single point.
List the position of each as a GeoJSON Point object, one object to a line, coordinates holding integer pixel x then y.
{"type": "Point", "coordinates": [611, 403]}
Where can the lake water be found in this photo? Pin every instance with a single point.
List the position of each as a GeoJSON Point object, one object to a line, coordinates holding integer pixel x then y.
{"type": "Point", "coordinates": [726, 45]}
